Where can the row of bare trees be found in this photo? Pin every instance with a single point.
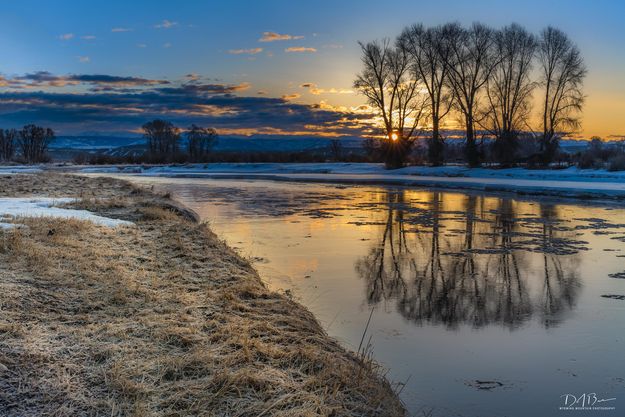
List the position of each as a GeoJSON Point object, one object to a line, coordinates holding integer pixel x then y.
{"type": "Point", "coordinates": [163, 139]}
{"type": "Point", "coordinates": [29, 144]}
{"type": "Point", "coordinates": [484, 76]}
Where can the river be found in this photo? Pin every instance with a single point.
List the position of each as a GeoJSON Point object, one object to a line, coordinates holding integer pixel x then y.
{"type": "Point", "coordinates": [481, 305]}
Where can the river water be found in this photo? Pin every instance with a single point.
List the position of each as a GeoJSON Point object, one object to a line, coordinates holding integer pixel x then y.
{"type": "Point", "coordinates": [483, 305]}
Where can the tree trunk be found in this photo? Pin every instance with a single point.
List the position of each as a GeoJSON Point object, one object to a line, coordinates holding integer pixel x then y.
{"type": "Point", "coordinates": [435, 148]}
{"type": "Point", "coordinates": [471, 151]}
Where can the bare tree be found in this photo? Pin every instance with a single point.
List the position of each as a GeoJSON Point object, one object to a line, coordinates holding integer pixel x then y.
{"type": "Point", "coordinates": [336, 149]}
{"type": "Point", "coordinates": [162, 137]}
{"type": "Point", "coordinates": [562, 73]}
{"type": "Point", "coordinates": [509, 89]}
{"type": "Point", "coordinates": [371, 147]}
{"type": "Point", "coordinates": [8, 139]}
{"type": "Point", "coordinates": [386, 82]}
{"type": "Point", "coordinates": [470, 61]}
{"type": "Point", "coordinates": [200, 141]}
{"type": "Point", "coordinates": [428, 53]}
{"type": "Point", "coordinates": [33, 142]}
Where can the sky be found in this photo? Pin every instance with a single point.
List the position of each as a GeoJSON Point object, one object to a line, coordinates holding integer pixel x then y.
{"type": "Point", "coordinates": [272, 67]}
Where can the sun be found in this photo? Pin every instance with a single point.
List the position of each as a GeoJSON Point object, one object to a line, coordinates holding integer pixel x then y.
{"type": "Point", "coordinates": [394, 136]}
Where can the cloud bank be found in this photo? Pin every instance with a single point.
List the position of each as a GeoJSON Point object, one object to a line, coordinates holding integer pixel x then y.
{"type": "Point", "coordinates": [110, 103]}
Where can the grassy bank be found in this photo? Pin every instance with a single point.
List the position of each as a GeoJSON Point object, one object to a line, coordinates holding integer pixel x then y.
{"type": "Point", "coordinates": [158, 319]}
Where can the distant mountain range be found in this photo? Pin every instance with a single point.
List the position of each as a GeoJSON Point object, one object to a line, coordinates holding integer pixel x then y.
{"type": "Point", "coordinates": [65, 147]}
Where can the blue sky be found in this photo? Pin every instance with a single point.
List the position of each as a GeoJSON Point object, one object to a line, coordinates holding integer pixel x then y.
{"type": "Point", "coordinates": [166, 41]}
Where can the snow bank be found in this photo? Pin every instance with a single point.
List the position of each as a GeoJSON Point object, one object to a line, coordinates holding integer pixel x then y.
{"type": "Point", "coordinates": [569, 174]}
{"type": "Point", "coordinates": [19, 169]}
{"type": "Point", "coordinates": [570, 182]}
{"type": "Point", "coordinates": [46, 207]}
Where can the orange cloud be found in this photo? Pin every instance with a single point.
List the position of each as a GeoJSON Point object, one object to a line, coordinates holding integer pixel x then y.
{"type": "Point", "coordinates": [251, 51]}
{"type": "Point", "coordinates": [299, 49]}
{"type": "Point", "coordinates": [273, 36]}
{"type": "Point", "coordinates": [290, 96]}
{"type": "Point", "coordinates": [313, 89]}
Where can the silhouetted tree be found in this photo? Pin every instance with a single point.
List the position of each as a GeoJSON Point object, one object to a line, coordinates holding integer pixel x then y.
{"type": "Point", "coordinates": [386, 82]}
{"type": "Point", "coordinates": [336, 149]}
{"type": "Point", "coordinates": [8, 139]}
{"type": "Point", "coordinates": [200, 141]}
{"type": "Point", "coordinates": [162, 136]}
{"type": "Point", "coordinates": [428, 53]}
{"type": "Point", "coordinates": [371, 147]}
{"type": "Point", "coordinates": [470, 61]}
{"type": "Point", "coordinates": [562, 73]}
{"type": "Point", "coordinates": [509, 89]}
{"type": "Point", "coordinates": [33, 142]}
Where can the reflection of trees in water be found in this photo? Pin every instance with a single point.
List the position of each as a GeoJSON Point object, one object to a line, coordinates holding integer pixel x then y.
{"type": "Point", "coordinates": [478, 273]}
{"type": "Point", "coordinates": [558, 293]}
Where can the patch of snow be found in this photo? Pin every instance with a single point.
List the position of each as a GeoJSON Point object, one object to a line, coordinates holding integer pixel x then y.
{"type": "Point", "coordinates": [9, 226]}
{"type": "Point", "coordinates": [19, 169]}
{"type": "Point", "coordinates": [47, 207]}
{"type": "Point", "coordinates": [568, 174]}
{"type": "Point", "coordinates": [569, 182]}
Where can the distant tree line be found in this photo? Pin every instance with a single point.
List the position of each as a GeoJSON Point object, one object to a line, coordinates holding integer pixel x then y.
{"type": "Point", "coordinates": [485, 77]}
{"type": "Point", "coordinates": [29, 144]}
{"type": "Point", "coordinates": [163, 142]}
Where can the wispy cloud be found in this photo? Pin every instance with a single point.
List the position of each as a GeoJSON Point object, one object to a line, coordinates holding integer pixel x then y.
{"type": "Point", "coordinates": [333, 46]}
{"type": "Point", "coordinates": [88, 37]}
{"type": "Point", "coordinates": [47, 79]}
{"type": "Point", "coordinates": [252, 51]}
{"type": "Point", "coordinates": [299, 49]}
{"type": "Point", "coordinates": [273, 36]}
{"type": "Point", "coordinates": [167, 45]}
{"type": "Point", "coordinates": [142, 45]}
{"type": "Point", "coordinates": [166, 24]}
{"type": "Point", "coordinates": [84, 59]}
{"type": "Point", "coordinates": [290, 96]}
{"type": "Point", "coordinates": [121, 29]}
{"type": "Point", "coordinates": [197, 89]}
{"type": "Point", "coordinates": [66, 36]}
{"type": "Point", "coordinates": [313, 89]}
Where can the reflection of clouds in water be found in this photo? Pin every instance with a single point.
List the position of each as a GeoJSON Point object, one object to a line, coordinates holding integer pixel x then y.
{"type": "Point", "coordinates": [261, 201]}
{"type": "Point", "coordinates": [302, 267]}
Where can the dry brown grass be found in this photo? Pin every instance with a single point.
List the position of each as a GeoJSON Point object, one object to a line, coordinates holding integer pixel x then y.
{"type": "Point", "coordinates": [161, 319]}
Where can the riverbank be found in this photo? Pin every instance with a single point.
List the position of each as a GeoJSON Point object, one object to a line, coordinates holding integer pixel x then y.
{"type": "Point", "coordinates": [572, 182]}
{"type": "Point", "coordinates": [565, 183]}
{"type": "Point", "coordinates": [159, 318]}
